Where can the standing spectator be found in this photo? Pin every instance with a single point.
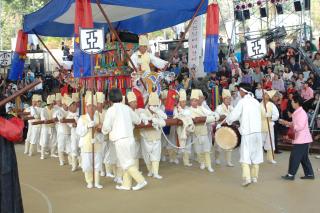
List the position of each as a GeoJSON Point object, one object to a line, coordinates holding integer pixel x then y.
{"type": "Point", "coordinates": [299, 82]}
{"type": "Point", "coordinates": [259, 93]}
{"type": "Point", "coordinates": [223, 72]}
{"type": "Point", "coordinates": [306, 72]}
{"type": "Point", "coordinates": [295, 67]}
{"type": "Point", "coordinates": [307, 92]}
{"type": "Point", "coordinates": [277, 83]}
{"type": "Point", "coordinates": [278, 66]}
{"type": "Point", "coordinates": [186, 82]}
{"type": "Point", "coordinates": [301, 142]}
{"type": "Point", "coordinates": [176, 59]}
{"type": "Point", "coordinates": [287, 74]}
{"type": "Point", "coordinates": [268, 83]}
{"type": "Point", "coordinates": [246, 78]}
{"type": "Point", "coordinates": [316, 60]}
{"type": "Point", "coordinates": [257, 76]}
{"type": "Point", "coordinates": [233, 84]}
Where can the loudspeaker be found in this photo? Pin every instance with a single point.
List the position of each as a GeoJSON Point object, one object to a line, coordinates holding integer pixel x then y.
{"type": "Point", "coordinates": [263, 12]}
{"type": "Point", "coordinates": [307, 4]}
{"type": "Point", "coordinates": [128, 37]}
{"type": "Point", "coordinates": [279, 9]}
{"type": "Point", "coordinates": [297, 6]}
{"type": "Point", "coordinates": [239, 15]}
{"type": "Point", "coordinates": [246, 14]}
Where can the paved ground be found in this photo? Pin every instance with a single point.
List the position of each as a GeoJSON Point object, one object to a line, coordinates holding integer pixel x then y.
{"type": "Point", "coordinates": [47, 187]}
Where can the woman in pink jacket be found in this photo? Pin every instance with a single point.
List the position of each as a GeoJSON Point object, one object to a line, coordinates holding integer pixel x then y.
{"type": "Point", "coordinates": [300, 150]}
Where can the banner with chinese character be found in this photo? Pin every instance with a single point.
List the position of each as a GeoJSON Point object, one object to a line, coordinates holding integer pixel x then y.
{"type": "Point", "coordinates": [256, 48]}
{"type": "Point", "coordinates": [195, 43]}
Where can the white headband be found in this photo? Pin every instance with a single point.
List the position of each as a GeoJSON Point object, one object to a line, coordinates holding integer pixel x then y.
{"type": "Point", "coordinates": [243, 90]}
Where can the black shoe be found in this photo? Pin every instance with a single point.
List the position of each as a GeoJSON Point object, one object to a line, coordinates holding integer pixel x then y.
{"type": "Point", "coordinates": [277, 152]}
{"type": "Point", "coordinates": [287, 177]}
{"type": "Point", "coordinates": [307, 177]}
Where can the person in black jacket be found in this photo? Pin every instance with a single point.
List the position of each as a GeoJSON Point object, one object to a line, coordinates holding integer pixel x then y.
{"type": "Point", "coordinates": [10, 193]}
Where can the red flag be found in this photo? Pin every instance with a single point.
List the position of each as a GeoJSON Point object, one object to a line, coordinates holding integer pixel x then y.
{"type": "Point", "coordinates": [22, 43]}
{"type": "Point", "coordinates": [83, 17]}
{"type": "Point", "coordinates": [139, 96]}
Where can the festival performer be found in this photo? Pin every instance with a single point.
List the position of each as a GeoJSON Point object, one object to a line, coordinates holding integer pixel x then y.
{"type": "Point", "coordinates": [102, 138]}
{"type": "Point", "coordinates": [118, 123]}
{"type": "Point", "coordinates": [170, 131]}
{"type": "Point", "coordinates": [164, 143]}
{"type": "Point", "coordinates": [63, 130]}
{"type": "Point", "coordinates": [184, 132]}
{"type": "Point", "coordinates": [248, 112]}
{"type": "Point", "coordinates": [47, 130]}
{"type": "Point", "coordinates": [270, 115]}
{"type": "Point", "coordinates": [27, 140]}
{"type": "Point", "coordinates": [142, 58]}
{"type": "Point", "coordinates": [35, 129]}
{"type": "Point", "coordinates": [56, 107]}
{"type": "Point", "coordinates": [74, 138]}
{"type": "Point", "coordinates": [224, 110]}
{"type": "Point", "coordinates": [202, 144]}
{"type": "Point", "coordinates": [87, 129]}
{"type": "Point", "coordinates": [151, 137]}
{"type": "Point", "coordinates": [132, 101]}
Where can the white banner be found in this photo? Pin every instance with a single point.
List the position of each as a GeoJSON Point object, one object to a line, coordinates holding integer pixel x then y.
{"type": "Point", "coordinates": [257, 48]}
{"type": "Point", "coordinates": [5, 59]}
{"type": "Point", "coordinates": [195, 43]}
{"type": "Point", "coordinates": [91, 40]}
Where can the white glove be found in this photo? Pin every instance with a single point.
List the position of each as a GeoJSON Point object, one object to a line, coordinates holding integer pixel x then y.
{"type": "Point", "coordinates": [268, 115]}
{"type": "Point", "coordinates": [59, 117]}
{"type": "Point", "coordinates": [218, 126]}
{"type": "Point", "coordinates": [155, 123]}
{"type": "Point", "coordinates": [94, 140]}
{"type": "Point", "coordinates": [91, 124]}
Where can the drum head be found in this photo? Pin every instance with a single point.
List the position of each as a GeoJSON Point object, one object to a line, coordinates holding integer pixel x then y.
{"type": "Point", "coordinates": [226, 138]}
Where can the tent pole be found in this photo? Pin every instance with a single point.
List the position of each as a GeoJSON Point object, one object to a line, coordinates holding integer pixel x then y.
{"type": "Point", "coordinates": [119, 40]}
{"type": "Point", "coordinates": [184, 34]}
{"type": "Point", "coordinates": [45, 46]}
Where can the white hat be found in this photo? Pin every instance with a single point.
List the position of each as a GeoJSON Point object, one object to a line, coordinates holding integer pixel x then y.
{"type": "Point", "coordinates": [143, 40]}
{"type": "Point", "coordinates": [89, 97]}
{"type": "Point", "coordinates": [182, 95]}
{"type": "Point", "coordinates": [9, 106]}
{"type": "Point", "coordinates": [131, 97]}
{"type": "Point", "coordinates": [200, 93]}
{"type": "Point", "coordinates": [154, 99]}
{"type": "Point", "coordinates": [49, 100]}
{"type": "Point", "coordinates": [34, 97]}
{"type": "Point", "coordinates": [58, 97]}
{"type": "Point", "coordinates": [68, 101]}
{"type": "Point", "coordinates": [194, 94]}
{"type": "Point", "coordinates": [226, 93]}
{"type": "Point", "coordinates": [75, 97]}
{"type": "Point", "coordinates": [271, 93]}
{"type": "Point", "coordinates": [100, 97]}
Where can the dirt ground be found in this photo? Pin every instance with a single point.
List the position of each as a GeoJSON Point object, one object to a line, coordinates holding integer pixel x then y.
{"type": "Point", "coordinates": [47, 187]}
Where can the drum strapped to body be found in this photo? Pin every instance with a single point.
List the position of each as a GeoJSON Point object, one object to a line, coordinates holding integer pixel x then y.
{"type": "Point", "coordinates": [228, 137]}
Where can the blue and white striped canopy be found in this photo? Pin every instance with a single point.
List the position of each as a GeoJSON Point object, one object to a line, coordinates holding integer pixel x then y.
{"type": "Point", "coordinates": [137, 16]}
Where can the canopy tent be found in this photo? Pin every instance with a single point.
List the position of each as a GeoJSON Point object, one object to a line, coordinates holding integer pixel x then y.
{"type": "Point", "coordinates": [137, 16]}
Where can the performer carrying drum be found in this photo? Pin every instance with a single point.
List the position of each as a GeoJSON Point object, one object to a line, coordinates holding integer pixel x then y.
{"type": "Point", "coordinates": [224, 110]}
{"type": "Point", "coordinates": [248, 113]}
